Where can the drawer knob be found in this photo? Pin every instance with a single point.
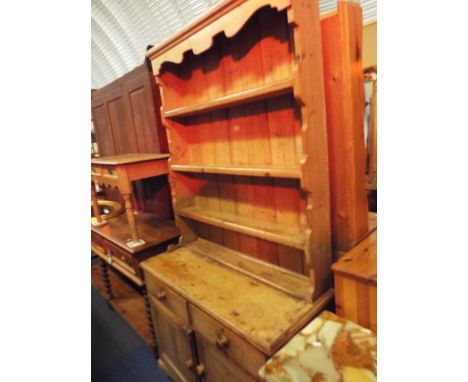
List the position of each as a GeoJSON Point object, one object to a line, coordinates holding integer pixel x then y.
{"type": "Point", "coordinates": [189, 363]}
{"type": "Point", "coordinates": [222, 341]}
{"type": "Point", "coordinates": [161, 295]}
{"type": "Point", "coordinates": [200, 369]}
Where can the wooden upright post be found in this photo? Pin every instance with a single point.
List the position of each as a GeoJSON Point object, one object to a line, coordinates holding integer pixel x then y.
{"type": "Point", "coordinates": [344, 91]}
{"type": "Point", "coordinates": [309, 92]}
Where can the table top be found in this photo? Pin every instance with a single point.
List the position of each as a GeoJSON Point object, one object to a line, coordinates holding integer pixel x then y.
{"type": "Point", "coordinates": [152, 230]}
{"type": "Point", "coordinates": [330, 349]}
{"type": "Point", "coordinates": [361, 261]}
{"type": "Point", "coordinates": [116, 160]}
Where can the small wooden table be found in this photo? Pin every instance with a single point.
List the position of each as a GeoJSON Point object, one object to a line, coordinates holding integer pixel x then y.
{"type": "Point", "coordinates": [124, 242]}
{"type": "Point", "coordinates": [120, 171]}
{"type": "Point", "coordinates": [329, 348]}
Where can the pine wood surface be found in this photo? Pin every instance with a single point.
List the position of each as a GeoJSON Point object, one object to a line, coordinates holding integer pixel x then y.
{"type": "Point", "coordinates": [280, 278]}
{"type": "Point", "coordinates": [174, 342]}
{"type": "Point", "coordinates": [361, 261]}
{"type": "Point", "coordinates": [127, 301]}
{"type": "Point", "coordinates": [152, 230]}
{"type": "Point", "coordinates": [278, 233]}
{"type": "Point", "coordinates": [260, 313]}
{"type": "Point", "coordinates": [217, 365]}
{"type": "Point", "coordinates": [372, 221]}
{"type": "Point", "coordinates": [115, 160]}
{"type": "Point", "coordinates": [120, 172]}
{"type": "Point", "coordinates": [342, 57]}
{"type": "Point", "coordinates": [356, 283]}
{"type": "Point", "coordinates": [243, 103]}
{"type": "Point", "coordinates": [261, 171]}
{"type": "Point", "coordinates": [242, 97]}
{"type": "Point", "coordinates": [372, 141]}
{"type": "Point", "coordinates": [228, 17]}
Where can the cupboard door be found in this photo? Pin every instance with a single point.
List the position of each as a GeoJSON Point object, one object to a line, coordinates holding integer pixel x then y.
{"type": "Point", "coordinates": [226, 342]}
{"type": "Point", "coordinates": [176, 344]}
{"type": "Point", "coordinates": [214, 366]}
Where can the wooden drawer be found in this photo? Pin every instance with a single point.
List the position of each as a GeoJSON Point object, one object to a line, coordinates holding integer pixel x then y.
{"type": "Point", "coordinates": [227, 342]}
{"type": "Point", "coordinates": [122, 258]}
{"type": "Point", "coordinates": [97, 242]}
{"type": "Point", "coordinates": [216, 366]}
{"type": "Point", "coordinates": [166, 296]}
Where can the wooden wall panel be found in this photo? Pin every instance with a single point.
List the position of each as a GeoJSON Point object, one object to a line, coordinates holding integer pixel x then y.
{"type": "Point", "coordinates": [103, 129]}
{"type": "Point", "coordinates": [125, 138]}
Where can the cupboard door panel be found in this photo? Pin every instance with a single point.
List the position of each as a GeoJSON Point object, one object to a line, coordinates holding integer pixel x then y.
{"type": "Point", "coordinates": [125, 137]}
{"type": "Point", "coordinates": [175, 343]}
{"type": "Point", "coordinates": [216, 366]}
{"type": "Point", "coordinates": [226, 342]}
{"type": "Point", "coordinates": [169, 298]}
{"type": "Point", "coordinates": [103, 130]}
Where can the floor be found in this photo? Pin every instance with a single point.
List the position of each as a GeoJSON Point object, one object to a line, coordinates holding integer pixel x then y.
{"type": "Point", "coordinates": [118, 354]}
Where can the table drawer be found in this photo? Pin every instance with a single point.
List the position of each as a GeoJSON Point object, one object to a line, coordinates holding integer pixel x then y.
{"type": "Point", "coordinates": [97, 245]}
{"type": "Point", "coordinates": [122, 258]}
{"type": "Point", "coordinates": [166, 296]}
{"type": "Point", "coordinates": [96, 242]}
{"type": "Point", "coordinates": [227, 342]}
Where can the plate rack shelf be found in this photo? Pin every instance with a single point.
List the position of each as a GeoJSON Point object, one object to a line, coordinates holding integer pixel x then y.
{"type": "Point", "coordinates": [244, 107]}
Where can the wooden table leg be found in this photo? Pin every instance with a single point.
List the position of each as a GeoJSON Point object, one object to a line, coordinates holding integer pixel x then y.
{"type": "Point", "coordinates": [107, 284]}
{"type": "Point", "coordinates": [153, 345]}
{"type": "Point", "coordinates": [131, 221]}
{"type": "Point", "coordinates": [97, 212]}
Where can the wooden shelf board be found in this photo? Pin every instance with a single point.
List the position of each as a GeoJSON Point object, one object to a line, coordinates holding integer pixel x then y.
{"type": "Point", "coordinates": [116, 160]}
{"type": "Point", "coordinates": [152, 230]}
{"type": "Point", "coordinates": [278, 233]}
{"type": "Point", "coordinates": [245, 96]}
{"type": "Point", "coordinates": [128, 302]}
{"type": "Point", "coordinates": [292, 283]}
{"type": "Point", "coordinates": [261, 171]}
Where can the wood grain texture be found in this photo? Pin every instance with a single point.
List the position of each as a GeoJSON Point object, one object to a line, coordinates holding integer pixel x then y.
{"type": "Point", "coordinates": [372, 141]}
{"type": "Point", "coordinates": [228, 18]}
{"type": "Point", "coordinates": [115, 160]}
{"type": "Point", "coordinates": [356, 283]}
{"type": "Point", "coordinates": [309, 93]}
{"type": "Point", "coordinates": [209, 285]}
{"type": "Point", "coordinates": [249, 179]}
{"type": "Point", "coordinates": [342, 56]}
{"type": "Point", "coordinates": [120, 171]}
{"type": "Point", "coordinates": [126, 115]}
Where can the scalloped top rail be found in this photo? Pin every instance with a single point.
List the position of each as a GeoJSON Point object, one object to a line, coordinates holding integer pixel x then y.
{"type": "Point", "coordinates": [229, 17]}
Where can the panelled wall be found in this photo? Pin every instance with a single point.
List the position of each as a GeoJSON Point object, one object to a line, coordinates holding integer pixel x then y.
{"type": "Point", "coordinates": [127, 119]}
